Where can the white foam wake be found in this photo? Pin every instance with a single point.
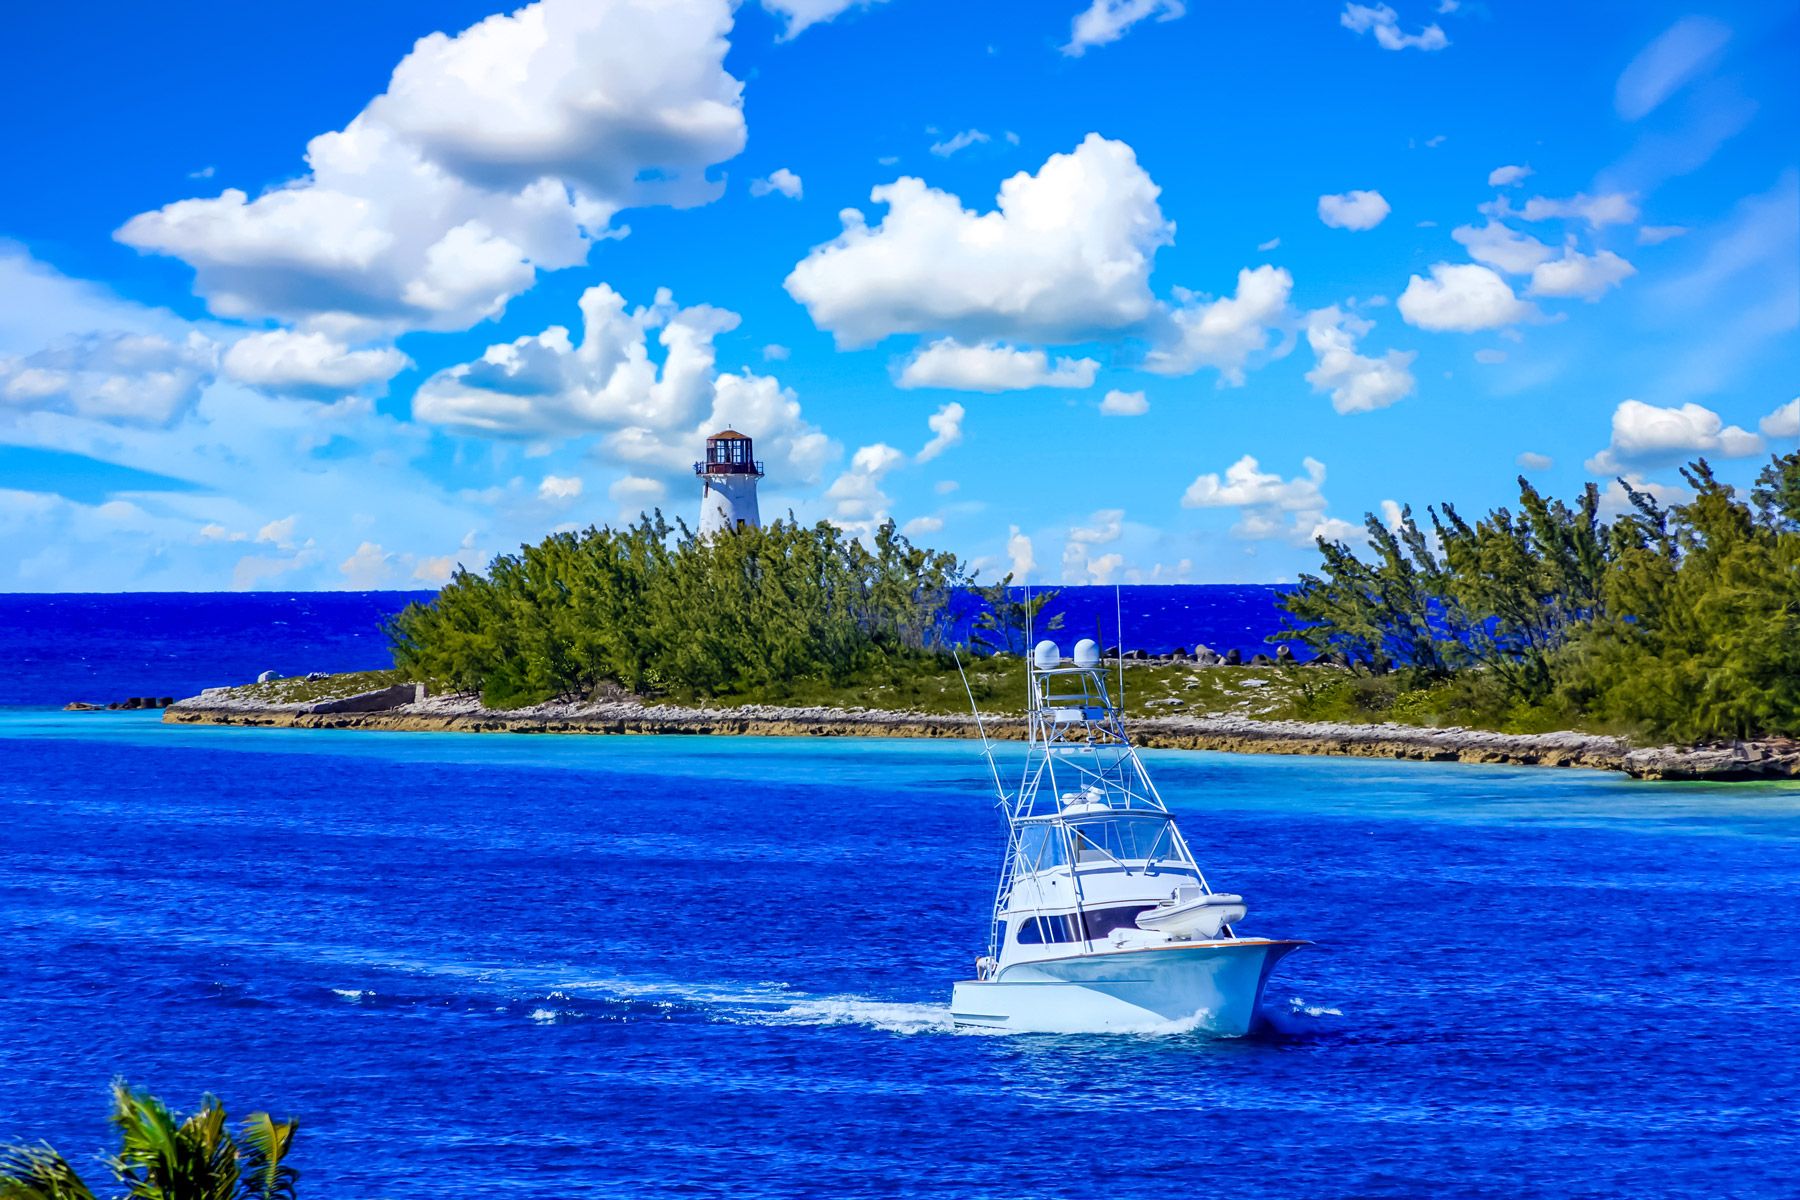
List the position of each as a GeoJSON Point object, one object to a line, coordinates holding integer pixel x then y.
{"type": "Point", "coordinates": [886, 1015]}
{"type": "Point", "coordinates": [1295, 1017]}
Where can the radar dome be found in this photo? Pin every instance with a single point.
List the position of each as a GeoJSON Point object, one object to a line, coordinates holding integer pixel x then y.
{"type": "Point", "coordinates": [1087, 653]}
{"type": "Point", "coordinates": [1046, 655]}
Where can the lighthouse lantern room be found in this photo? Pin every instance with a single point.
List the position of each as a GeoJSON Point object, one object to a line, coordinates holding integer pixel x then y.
{"type": "Point", "coordinates": [729, 474]}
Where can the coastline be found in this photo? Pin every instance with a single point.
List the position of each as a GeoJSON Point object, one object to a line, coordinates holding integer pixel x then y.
{"type": "Point", "coordinates": [404, 709]}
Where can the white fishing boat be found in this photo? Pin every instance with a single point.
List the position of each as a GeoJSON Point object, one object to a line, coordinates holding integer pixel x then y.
{"type": "Point", "coordinates": [1103, 920]}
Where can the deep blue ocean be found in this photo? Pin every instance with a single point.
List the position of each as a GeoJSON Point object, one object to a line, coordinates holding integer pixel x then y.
{"type": "Point", "coordinates": [640, 967]}
{"type": "Point", "coordinates": [99, 648]}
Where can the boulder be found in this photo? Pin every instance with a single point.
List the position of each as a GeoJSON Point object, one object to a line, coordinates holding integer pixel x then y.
{"type": "Point", "coordinates": [83, 706]}
{"type": "Point", "coordinates": [1285, 654]}
{"type": "Point", "coordinates": [164, 701]}
{"type": "Point", "coordinates": [1261, 660]}
{"type": "Point", "coordinates": [1179, 653]}
{"type": "Point", "coordinates": [1233, 658]}
{"type": "Point", "coordinates": [267, 677]}
{"type": "Point", "coordinates": [1111, 652]}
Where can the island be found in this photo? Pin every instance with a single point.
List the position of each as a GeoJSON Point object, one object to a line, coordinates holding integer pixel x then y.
{"type": "Point", "coordinates": [1658, 640]}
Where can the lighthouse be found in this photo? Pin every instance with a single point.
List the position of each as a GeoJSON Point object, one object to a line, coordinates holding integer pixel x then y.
{"type": "Point", "coordinates": [729, 474]}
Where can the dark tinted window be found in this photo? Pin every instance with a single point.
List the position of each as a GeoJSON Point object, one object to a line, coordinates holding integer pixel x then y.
{"type": "Point", "coordinates": [1100, 922]}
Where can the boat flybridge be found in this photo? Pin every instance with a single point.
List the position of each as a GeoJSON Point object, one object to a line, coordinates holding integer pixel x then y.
{"type": "Point", "coordinates": [1103, 920]}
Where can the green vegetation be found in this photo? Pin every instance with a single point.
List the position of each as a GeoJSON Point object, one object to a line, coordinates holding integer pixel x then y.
{"type": "Point", "coordinates": [301, 690]}
{"type": "Point", "coordinates": [1677, 621]}
{"type": "Point", "coordinates": [998, 684]}
{"type": "Point", "coordinates": [163, 1156]}
{"type": "Point", "coordinates": [655, 610]}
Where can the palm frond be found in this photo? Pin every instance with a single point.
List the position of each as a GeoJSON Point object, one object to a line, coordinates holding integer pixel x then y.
{"type": "Point", "coordinates": [162, 1157]}
{"type": "Point", "coordinates": [39, 1173]}
{"type": "Point", "coordinates": [266, 1142]}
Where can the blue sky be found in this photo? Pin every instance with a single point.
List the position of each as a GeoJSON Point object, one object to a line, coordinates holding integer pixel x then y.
{"type": "Point", "coordinates": [329, 295]}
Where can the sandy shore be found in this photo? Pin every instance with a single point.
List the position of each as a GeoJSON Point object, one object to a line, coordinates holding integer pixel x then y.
{"type": "Point", "coordinates": [400, 710]}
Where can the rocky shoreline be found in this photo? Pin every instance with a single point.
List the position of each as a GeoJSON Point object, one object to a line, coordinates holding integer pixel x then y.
{"type": "Point", "coordinates": [406, 708]}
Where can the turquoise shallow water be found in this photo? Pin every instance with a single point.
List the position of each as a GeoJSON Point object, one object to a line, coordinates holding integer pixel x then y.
{"type": "Point", "coordinates": [556, 966]}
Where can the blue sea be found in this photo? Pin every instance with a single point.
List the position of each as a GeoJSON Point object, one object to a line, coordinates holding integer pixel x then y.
{"type": "Point", "coordinates": [643, 967]}
{"type": "Point", "coordinates": [98, 648]}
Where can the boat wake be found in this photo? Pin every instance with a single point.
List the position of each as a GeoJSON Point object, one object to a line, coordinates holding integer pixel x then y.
{"type": "Point", "coordinates": [549, 998]}
{"type": "Point", "coordinates": [885, 1015]}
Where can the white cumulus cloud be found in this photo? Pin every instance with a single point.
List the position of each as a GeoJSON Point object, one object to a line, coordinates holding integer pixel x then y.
{"type": "Point", "coordinates": [1066, 253]}
{"type": "Point", "coordinates": [559, 489]}
{"type": "Point", "coordinates": [1357, 382]}
{"type": "Point", "coordinates": [1502, 247]}
{"type": "Point", "coordinates": [1509, 176]}
{"type": "Point", "coordinates": [780, 180]}
{"type": "Point", "coordinates": [1645, 435]}
{"type": "Point", "coordinates": [134, 378]}
{"type": "Point", "coordinates": [550, 386]}
{"type": "Point", "coordinates": [1354, 210]}
{"type": "Point", "coordinates": [1610, 208]}
{"type": "Point", "coordinates": [1124, 404]}
{"type": "Point", "coordinates": [857, 500]}
{"type": "Point", "coordinates": [368, 568]}
{"type": "Point", "coordinates": [1461, 297]}
{"type": "Point", "coordinates": [286, 361]}
{"type": "Point", "coordinates": [946, 431]}
{"type": "Point", "coordinates": [1784, 422]}
{"type": "Point", "coordinates": [1268, 505]}
{"type": "Point", "coordinates": [801, 15]}
{"type": "Point", "coordinates": [1384, 23]}
{"type": "Point", "coordinates": [1106, 21]}
{"type": "Point", "coordinates": [494, 153]}
{"type": "Point", "coordinates": [1223, 333]}
{"type": "Point", "coordinates": [1577, 274]}
{"type": "Point", "coordinates": [960, 141]}
{"type": "Point", "coordinates": [993, 367]}
{"type": "Point", "coordinates": [1021, 559]}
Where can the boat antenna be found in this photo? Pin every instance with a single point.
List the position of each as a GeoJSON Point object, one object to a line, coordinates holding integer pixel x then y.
{"type": "Point", "coordinates": [1119, 621]}
{"type": "Point", "coordinates": [987, 747]}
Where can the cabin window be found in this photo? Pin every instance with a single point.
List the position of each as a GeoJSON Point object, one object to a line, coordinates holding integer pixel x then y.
{"type": "Point", "coordinates": [1040, 848]}
{"type": "Point", "coordinates": [1127, 839]}
{"type": "Point", "coordinates": [1036, 931]}
{"type": "Point", "coordinates": [1099, 923]}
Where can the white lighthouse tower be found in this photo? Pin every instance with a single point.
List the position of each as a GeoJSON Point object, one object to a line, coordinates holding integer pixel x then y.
{"type": "Point", "coordinates": [730, 472]}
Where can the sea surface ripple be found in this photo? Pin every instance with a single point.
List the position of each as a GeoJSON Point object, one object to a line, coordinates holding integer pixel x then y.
{"type": "Point", "coordinates": [566, 966]}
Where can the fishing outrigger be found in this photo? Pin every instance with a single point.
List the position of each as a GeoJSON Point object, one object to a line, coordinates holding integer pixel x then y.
{"type": "Point", "coordinates": [1103, 920]}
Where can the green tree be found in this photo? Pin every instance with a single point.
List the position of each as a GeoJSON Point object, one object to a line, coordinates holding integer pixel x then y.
{"type": "Point", "coordinates": [1001, 627]}
{"type": "Point", "coordinates": [654, 608]}
{"type": "Point", "coordinates": [1680, 621]}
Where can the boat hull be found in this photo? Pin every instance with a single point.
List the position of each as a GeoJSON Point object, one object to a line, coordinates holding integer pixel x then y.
{"type": "Point", "coordinates": [1210, 987]}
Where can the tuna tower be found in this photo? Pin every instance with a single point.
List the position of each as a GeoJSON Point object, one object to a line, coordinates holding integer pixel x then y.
{"type": "Point", "coordinates": [729, 474]}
